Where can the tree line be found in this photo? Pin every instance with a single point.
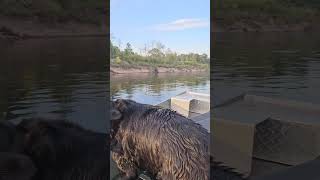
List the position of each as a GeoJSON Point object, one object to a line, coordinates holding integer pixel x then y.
{"type": "Point", "coordinates": [156, 55]}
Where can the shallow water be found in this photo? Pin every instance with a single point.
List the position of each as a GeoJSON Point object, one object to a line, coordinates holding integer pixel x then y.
{"type": "Point", "coordinates": [54, 78]}
{"type": "Point", "coordinates": [285, 65]}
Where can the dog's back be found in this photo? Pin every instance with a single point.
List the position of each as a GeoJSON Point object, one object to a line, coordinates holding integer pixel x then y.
{"type": "Point", "coordinates": [165, 143]}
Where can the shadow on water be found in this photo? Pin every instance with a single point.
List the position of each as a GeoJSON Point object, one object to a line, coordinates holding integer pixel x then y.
{"type": "Point", "coordinates": [272, 64]}
{"type": "Point", "coordinates": [54, 78]}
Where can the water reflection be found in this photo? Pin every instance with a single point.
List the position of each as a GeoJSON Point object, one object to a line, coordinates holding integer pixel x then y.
{"type": "Point", "coordinates": [273, 64]}
{"type": "Point", "coordinates": [54, 78]}
{"type": "Point", "coordinates": [153, 89]}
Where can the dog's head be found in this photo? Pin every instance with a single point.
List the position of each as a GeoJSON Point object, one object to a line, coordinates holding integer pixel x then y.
{"type": "Point", "coordinates": [120, 108]}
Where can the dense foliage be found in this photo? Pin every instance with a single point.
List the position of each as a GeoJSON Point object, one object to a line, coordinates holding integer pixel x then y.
{"type": "Point", "coordinates": [157, 56]}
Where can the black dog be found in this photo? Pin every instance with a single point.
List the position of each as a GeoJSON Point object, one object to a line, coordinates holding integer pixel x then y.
{"type": "Point", "coordinates": [160, 141]}
{"type": "Point", "coordinates": [62, 150]}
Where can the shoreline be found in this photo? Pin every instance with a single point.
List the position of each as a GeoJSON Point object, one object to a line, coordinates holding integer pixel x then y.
{"type": "Point", "coordinates": [260, 27]}
{"type": "Point", "coordinates": [29, 28]}
{"type": "Point", "coordinates": [154, 70]}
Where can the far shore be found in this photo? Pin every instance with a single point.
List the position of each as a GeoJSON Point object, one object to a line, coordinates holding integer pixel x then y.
{"type": "Point", "coordinates": [145, 69]}
{"type": "Point", "coordinates": [28, 28]}
{"type": "Point", "coordinates": [258, 26]}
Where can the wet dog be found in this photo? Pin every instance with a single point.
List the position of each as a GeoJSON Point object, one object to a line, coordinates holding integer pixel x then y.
{"type": "Point", "coordinates": [160, 141]}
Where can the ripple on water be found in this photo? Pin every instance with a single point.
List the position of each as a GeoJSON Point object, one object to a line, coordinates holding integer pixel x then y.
{"type": "Point", "coordinates": [271, 64]}
{"type": "Point", "coordinates": [67, 79]}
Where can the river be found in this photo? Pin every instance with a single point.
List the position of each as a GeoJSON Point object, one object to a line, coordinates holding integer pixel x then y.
{"type": "Point", "coordinates": [54, 78]}
{"type": "Point", "coordinates": [154, 89]}
{"type": "Point", "coordinates": [282, 65]}
{"type": "Point", "coordinates": [65, 78]}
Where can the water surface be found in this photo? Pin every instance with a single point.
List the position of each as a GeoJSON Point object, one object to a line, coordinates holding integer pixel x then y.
{"type": "Point", "coordinates": [154, 89]}
{"type": "Point", "coordinates": [54, 78]}
{"type": "Point", "coordinates": [283, 65]}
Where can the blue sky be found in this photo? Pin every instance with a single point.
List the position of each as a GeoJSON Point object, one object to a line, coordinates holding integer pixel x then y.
{"type": "Point", "coordinates": [181, 25]}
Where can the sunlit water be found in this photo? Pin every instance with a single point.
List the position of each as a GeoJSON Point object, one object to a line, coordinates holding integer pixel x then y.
{"type": "Point", "coordinates": [282, 65]}
{"type": "Point", "coordinates": [154, 89]}
{"type": "Point", "coordinates": [54, 78]}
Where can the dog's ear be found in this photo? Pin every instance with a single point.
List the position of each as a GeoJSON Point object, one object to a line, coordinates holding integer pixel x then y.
{"type": "Point", "coordinates": [121, 105]}
{"type": "Point", "coordinates": [115, 114]}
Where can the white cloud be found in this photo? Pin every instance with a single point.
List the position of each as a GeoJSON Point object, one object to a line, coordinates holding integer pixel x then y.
{"type": "Point", "coordinates": [181, 24]}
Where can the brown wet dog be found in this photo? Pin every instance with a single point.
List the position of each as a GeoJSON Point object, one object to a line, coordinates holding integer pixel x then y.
{"type": "Point", "coordinates": [160, 141]}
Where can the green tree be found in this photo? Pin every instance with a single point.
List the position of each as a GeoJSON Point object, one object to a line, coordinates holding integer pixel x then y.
{"type": "Point", "coordinates": [155, 52]}
{"type": "Point", "coordinates": [114, 51]}
{"type": "Point", "coordinates": [157, 56]}
{"type": "Point", "coordinates": [128, 52]}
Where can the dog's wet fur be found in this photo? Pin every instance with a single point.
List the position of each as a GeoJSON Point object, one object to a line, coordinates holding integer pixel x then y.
{"type": "Point", "coordinates": [160, 141]}
{"type": "Point", "coordinates": [144, 138]}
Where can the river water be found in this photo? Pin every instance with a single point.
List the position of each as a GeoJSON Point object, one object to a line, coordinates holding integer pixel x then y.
{"type": "Point", "coordinates": [54, 78]}
{"type": "Point", "coordinates": [65, 78]}
{"type": "Point", "coordinates": [154, 89]}
{"type": "Point", "coordinates": [283, 65]}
